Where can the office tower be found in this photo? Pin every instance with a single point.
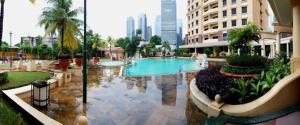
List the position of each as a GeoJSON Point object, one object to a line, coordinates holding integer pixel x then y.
{"type": "Point", "coordinates": [130, 27]}
{"type": "Point", "coordinates": [158, 26]}
{"type": "Point", "coordinates": [143, 25]}
{"type": "Point", "coordinates": [168, 21]}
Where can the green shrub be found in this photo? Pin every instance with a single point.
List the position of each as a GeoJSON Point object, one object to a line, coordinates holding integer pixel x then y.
{"type": "Point", "coordinates": [8, 116]}
{"type": "Point", "coordinates": [3, 78]}
{"type": "Point", "coordinates": [251, 89]}
{"type": "Point", "coordinates": [236, 70]}
{"type": "Point", "coordinates": [246, 60]}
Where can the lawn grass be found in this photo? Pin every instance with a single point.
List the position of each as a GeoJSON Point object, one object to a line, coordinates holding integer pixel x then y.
{"type": "Point", "coordinates": [18, 79]}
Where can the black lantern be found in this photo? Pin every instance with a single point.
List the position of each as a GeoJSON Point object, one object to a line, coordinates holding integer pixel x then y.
{"type": "Point", "coordinates": [40, 93]}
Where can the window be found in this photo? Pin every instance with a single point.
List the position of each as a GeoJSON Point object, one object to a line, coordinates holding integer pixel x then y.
{"type": "Point", "coordinates": [197, 4]}
{"type": "Point", "coordinates": [197, 22]}
{"type": "Point", "coordinates": [233, 1]}
{"type": "Point", "coordinates": [224, 2]}
{"type": "Point", "coordinates": [233, 11]}
{"type": "Point", "coordinates": [192, 32]}
{"type": "Point", "coordinates": [233, 23]}
{"type": "Point", "coordinates": [224, 24]}
{"type": "Point", "coordinates": [197, 40]}
{"type": "Point", "coordinates": [244, 0]}
{"type": "Point", "coordinates": [224, 36]}
{"type": "Point", "coordinates": [244, 21]}
{"type": "Point", "coordinates": [215, 37]}
{"type": "Point", "coordinates": [197, 13]}
{"type": "Point", "coordinates": [197, 31]}
{"type": "Point", "coordinates": [224, 13]}
{"type": "Point", "coordinates": [244, 10]}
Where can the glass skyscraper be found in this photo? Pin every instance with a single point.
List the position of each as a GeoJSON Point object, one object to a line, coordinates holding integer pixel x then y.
{"type": "Point", "coordinates": [158, 26]}
{"type": "Point", "coordinates": [168, 21]}
{"type": "Point", "coordinates": [143, 25]}
{"type": "Point", "coordinates": [130, 27]}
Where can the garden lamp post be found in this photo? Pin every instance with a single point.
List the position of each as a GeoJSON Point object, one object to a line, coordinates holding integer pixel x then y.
{"type": "Point", "coordinates": [10, 60]}
{"type": "Point", "coordinates": [84, 70]}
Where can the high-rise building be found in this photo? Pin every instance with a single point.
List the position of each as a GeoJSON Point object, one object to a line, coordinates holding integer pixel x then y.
{"type": "Point", "coordinates": [158, 26]}
{"type": "Point", "coordinates": [179, 32]}
{"type": "Point", "coordinates": [130, 27]}
{"type": "Point", "coordinates": [143, 25]}
{"type": "Point", "coordinates": [149, 33]}
{"type": "Point", "coordinates": [168, 21]}
{"type": "Point", "coordinates": [209, 21]}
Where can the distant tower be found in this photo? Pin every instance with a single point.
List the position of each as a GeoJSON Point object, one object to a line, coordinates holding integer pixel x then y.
{"type": "Point", "coordinates": [168, 21]}
{"type": "Point", "coordinates": [143, 25]}
{"type": "Point", "coordinates": [158, 26]}
{"type": "Point", "coordinates": [149, 33]}
{"type": "Point", "coordinates": [130, 27]}
{"type": "Point", "coordinates": [179, 32]}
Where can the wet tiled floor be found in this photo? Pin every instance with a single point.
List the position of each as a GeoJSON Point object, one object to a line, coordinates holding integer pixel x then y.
{"type": "Point", "coordinates": [114, 100]}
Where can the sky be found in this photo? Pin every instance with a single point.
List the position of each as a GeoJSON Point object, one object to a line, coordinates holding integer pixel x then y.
{"type": "Point", "coordinates": [106, 17]}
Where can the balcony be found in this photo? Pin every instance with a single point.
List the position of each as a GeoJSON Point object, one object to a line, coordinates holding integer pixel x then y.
{"type": "Point", "coordinates": [214, 10]}
{"type": "Point", "coordinates": [209, 2]}
{"type": "Point", "coordinates": [211, 41]}
{"type": "Point", "coordinates": [210, 21]}
{"type": "Point", "coordinates": [210, 31]}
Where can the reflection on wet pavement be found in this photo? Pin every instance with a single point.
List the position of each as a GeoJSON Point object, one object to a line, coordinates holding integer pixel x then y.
{"type": "Point", "coordinates": [113, 100]}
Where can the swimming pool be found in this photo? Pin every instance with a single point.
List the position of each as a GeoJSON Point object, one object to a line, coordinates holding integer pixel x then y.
{"type": "Point", "coordinates": [111, 63]}
{"type": "Point", "coordinates": [146, 67]}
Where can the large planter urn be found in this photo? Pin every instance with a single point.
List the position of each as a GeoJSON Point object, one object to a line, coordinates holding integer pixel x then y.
{"type": "Point", "coordinates": [96, 60]}
{"type": "Point", "coordinates": [64, 62]}
{"type": "Point", "coordinates": [78, 60]}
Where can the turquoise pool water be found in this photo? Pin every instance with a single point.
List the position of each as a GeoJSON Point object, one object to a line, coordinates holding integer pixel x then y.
{"type": "Point", "coordinates": [112, 63]}
{"type": "Point", "coordinates": [146, 67]}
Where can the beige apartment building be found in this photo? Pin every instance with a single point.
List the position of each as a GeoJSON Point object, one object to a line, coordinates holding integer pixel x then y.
{"type": "Point", "coordinates": [209, 21]}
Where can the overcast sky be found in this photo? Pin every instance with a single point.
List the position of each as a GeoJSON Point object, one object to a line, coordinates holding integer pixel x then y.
{"type": "Point", "coordinates": [106, 17]}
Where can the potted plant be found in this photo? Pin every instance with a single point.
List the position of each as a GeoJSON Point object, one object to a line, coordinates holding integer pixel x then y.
{"type": "Point", "coordinates": [64, 61]}
{"type": "Point", "coordinates": [78, 59]}
{"type": "Point", "coordinates": [245, 63]}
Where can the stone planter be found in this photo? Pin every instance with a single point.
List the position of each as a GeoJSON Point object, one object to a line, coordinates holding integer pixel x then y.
{"type": "Point", "coordinates": [45, 64]}
{"type": "Point", "coordinates": [31, 66]}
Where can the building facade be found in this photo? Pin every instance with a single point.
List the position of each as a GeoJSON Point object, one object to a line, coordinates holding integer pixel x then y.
{"type": "Point", "coordinates": [158, 25]}
{"type": "Point", "coordinates": [209, 21]}
{"type": "Point", "coordinates": [149, 33]}
{"type": "Point", "coordinates": [143, 26]}
{"type": "Point", "coordinates": [130, 27]}
{"type": "Point", "coordinates": [169, 21]}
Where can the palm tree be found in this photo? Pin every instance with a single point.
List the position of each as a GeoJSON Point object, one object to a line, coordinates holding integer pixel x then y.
{"type": "Point", "coordinates": [60, 18]}
{"type": "Point", "coordinates": [97, 42]}
{"type": "Point", "coordinates": [2, 2]}
{"type": "Point", "coordinates": [166, 46]}
{"type": "Point", "coordinates": [110, 41]}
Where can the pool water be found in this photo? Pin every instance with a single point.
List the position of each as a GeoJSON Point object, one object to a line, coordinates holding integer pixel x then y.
{"type": "Point", "coordinates": [146, 67]}
{"type": "Point", "coordinates": [112, 63]}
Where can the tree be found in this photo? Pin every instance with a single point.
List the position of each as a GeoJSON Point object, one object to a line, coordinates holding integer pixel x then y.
{"type": "Point", "coordinates": [123, 42]}
{"type": "Point", "coordinates": [156, 40]}
{"type": "Point", "coordinates": [166, 47]}
{"type": "Point", "coordinates": [97, 42]}
{"type": "Point", "coordinates": [60, 18]}
{"type": "Point", "coordinates": [111, 42]}
{"type": "Point", "coordinates": [240, 38]}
